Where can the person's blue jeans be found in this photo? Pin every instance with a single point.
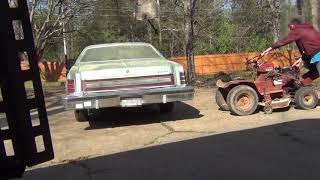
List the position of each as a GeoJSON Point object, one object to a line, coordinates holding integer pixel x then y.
{"type": "Point", "coordinates": [315, 60]}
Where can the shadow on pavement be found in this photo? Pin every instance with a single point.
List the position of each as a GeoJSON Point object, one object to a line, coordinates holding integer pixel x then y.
{"type": "Point", "coordinates": [118, 117]}
{"type": "Point", "coordinates": [284, 151]}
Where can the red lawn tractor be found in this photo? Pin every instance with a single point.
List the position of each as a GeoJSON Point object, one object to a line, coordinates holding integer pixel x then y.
{"type": "Point", "coordinates": [266, 86]}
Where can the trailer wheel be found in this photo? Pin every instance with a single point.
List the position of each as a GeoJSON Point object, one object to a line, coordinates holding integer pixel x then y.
{"type": "Point", "coordinates": [242, 100]}
{"type": "Point", "coordinates": [221, 97]}
{"type": "Point", "coordinates": [81, 115]}
{"type": "Point", "coordinates": [267, 109]}
{"type": "Point", "coordinates": [306, 98]}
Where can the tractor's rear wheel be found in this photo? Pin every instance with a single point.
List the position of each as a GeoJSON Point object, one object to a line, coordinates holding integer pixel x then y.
{"type": "Point", "coordinates": [221, 99]}
{"type": "Point", "coordinates": [306, 98]}
{"type": "Point", "coordinates": [242, 100]}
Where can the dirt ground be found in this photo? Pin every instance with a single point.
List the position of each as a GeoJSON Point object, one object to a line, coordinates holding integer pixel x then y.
{"type": "Point", "coordinates": [196, 141]}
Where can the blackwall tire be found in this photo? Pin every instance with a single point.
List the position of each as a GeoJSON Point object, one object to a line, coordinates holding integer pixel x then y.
{"type": "Point", "coordinates": [221, 99]}
{"type": "Point", "coordinates": [242, 100]}
{"type": "Point", "coordinates": [81, 115]}
{"type": "Point", "coordinates": [306, 98]}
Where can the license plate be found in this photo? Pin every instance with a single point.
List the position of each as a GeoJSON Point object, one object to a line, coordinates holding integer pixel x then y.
{"type": "Point", "coordinates": [131, 102]}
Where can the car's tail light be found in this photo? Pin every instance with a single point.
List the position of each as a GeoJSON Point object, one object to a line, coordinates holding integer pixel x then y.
{"type": "Point", "coordinates": [70, 86]}
{"type": "Point", "coordinates": [183, 78]}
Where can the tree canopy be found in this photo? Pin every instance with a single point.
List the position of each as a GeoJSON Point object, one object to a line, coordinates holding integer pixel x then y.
{"type": "Point", "coordinates": [218, 26]}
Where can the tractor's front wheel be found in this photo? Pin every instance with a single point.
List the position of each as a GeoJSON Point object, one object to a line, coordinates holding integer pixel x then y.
{"type": "Point", "coordinates": [221, 97]}
{"type": "Point", "coordinates": [242, 100]}
{"type": "Point", "coordinates": [306, 98]}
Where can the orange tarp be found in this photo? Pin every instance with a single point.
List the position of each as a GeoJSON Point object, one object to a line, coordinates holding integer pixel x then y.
{"type": "Point", "coordinates": [50, 71]}
{"type": "Point", "coordinates": [210, 64]}
{"type": "Point", "coordinates": [204, 65]}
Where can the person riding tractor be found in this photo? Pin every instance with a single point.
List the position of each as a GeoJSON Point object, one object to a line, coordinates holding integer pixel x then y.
{"type": "Point", "coordinates": [275, 88]}
{"type": "Point", "coordinates": [307, 39]}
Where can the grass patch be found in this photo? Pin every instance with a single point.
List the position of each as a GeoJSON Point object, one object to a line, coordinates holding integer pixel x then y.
{"type": "Point", "coordinates": [316, 84]}
{"type": "Point", "coordinates": [48, 87]}
{"type": "Point", "coordinates": [45, 85]}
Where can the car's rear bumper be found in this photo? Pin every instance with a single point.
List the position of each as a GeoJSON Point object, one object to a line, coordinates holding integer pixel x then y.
{"type": "Point", "coordinates": [128, 98]}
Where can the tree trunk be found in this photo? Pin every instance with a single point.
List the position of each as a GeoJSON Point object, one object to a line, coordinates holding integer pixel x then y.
{"type": "Point", "coordinates": [314, 13]}
{"type": "Point", "coordinates": [189, 8]}
{"type": "Point", "coordinates": [275, 10]}
{"type": "Point", "coordinates": [299, 7]}
{"type": "Point", "coordinates": [276, 27]}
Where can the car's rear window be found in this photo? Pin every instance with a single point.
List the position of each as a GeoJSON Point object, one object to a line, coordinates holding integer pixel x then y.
{"type": "Point", "coordinates": [119, 52]}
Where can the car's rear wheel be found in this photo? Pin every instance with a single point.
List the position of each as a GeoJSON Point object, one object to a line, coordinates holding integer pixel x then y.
{"type": "Point", "coordinates": [221, 97]}
{"type": "Point", "coordinates": [306, 98]}
{"type": "Point", "coordinates": [167, 107]}
{"type": "Point", "coordinates": [81, 115]}
{"type": "Point", "coordinates": [242, 100]}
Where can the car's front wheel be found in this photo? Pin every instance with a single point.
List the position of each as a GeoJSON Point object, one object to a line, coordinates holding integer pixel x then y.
{"type": "Point", "coordinates": [167, 107]}
{"type": "Point", "coordinates": [81, 115]}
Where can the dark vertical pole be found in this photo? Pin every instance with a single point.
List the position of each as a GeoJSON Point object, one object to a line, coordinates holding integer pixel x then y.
{"type": "Point", "coordinates": [14, 95]}
{"type": "Point", "coordinates": [15, 103]}
{"type": "Point", "coordinates": [189, 8]}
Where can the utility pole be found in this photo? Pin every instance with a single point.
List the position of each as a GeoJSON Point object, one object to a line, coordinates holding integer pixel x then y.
{"type": "Point", "coordinates": [64, 38]}
{"type": "Point", "coordinates": [159, 24]}
{"type": "Point", "coordinates": [64, 44]}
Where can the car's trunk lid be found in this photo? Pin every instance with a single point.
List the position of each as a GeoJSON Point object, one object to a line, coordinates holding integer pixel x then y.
{"type": "Point", "coordinates": [126, 74]}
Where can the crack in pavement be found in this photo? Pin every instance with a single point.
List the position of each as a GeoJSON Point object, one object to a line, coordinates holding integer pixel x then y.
{"type": "Point", "coordinates": [88, 171]}
{"type": "Point", "coordinates": [76, 162]}
{"type": "Point", "coordinates": [168, 127]}
{"type": "Point", "coordinates": [292, 137]}
{"type": "Point", "coordinates": [282, 132]}
{"type": "Point", "coordinates": [86, 168]}
{"type": "Point", "coordinates": [171, 130]}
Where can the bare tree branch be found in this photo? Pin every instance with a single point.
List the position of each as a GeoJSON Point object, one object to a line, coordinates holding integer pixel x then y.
{"type": "Point", "coordinates": [47, 20]}
{"type": "Point", "coordinates": [33, 6]}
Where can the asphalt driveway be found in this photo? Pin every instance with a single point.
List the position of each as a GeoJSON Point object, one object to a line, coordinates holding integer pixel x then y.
{"type": "Point", "coordinates": [197, 141]}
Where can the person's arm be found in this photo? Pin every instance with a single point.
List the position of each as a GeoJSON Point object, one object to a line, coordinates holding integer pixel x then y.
{"type": "Point", "coordinates": [298, 63]}
{"type": "Point", "coordinates": [292, 37]}
{"type": "Point", "coordinates": [263, 54]}
{"type": "Point", "coordinates": [266, 52]}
